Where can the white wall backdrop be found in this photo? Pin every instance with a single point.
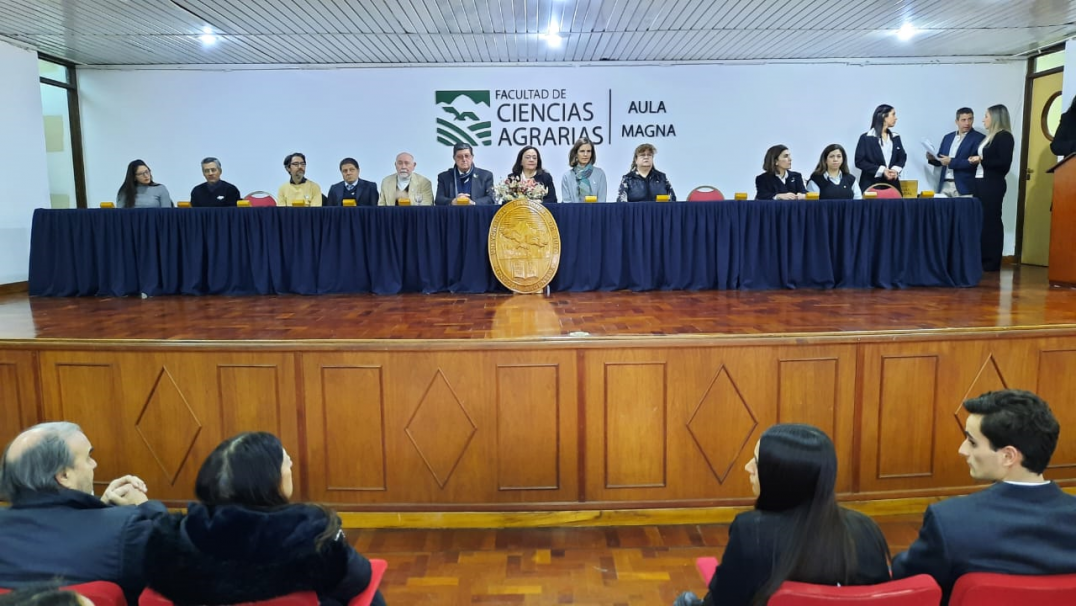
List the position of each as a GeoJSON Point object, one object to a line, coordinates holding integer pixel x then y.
{"type": "Point", "coordinates": [23, 153]}
{"type": "Point", "coordinates": [724, 116]}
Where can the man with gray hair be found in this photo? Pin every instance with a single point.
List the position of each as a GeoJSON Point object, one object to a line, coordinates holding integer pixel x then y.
{"type": "Point", "coordinates": [56, 527]}
{"type": "Point", "coordinates": [214, 192]}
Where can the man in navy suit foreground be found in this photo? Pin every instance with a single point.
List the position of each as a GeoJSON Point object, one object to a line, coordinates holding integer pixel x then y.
{"type": "Point", "coordinates": [1022, 524]}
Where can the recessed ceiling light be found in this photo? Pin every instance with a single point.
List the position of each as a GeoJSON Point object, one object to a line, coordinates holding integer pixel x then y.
{"type": "Point", "coordinates": [208, 39]}
{"type": "Point", "coordinates": [906, 32]}
{"type": "Point", "coordinates": [552, 36]}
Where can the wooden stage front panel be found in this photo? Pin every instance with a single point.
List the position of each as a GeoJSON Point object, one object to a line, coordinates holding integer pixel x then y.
{"type": "Point", "coordinates": [536, 423]}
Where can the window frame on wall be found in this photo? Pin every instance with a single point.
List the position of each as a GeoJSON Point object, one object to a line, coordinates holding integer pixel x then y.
{"type": "Point", "coordinates": [71, 86]}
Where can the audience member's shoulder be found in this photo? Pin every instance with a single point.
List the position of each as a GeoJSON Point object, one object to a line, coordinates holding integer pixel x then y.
{"type": "Point", "coordinates": [855, 519]}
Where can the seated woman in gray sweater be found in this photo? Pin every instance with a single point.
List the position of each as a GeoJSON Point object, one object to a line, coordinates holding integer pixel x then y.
{"type": "Point", "coordinates": [139, 190]}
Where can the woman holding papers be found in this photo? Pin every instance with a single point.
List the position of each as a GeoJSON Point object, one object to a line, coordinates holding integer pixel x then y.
{"type": "Point", "coordinates": [584, 179]}
{"type": "Point", "coordinates": [993, 161]}
{"type": "Point", "coordinates": [779, 181]}
{"type": "Point", "coordinates": [880, 154]}
{"type": "Point", "coordinates": [831, 179]}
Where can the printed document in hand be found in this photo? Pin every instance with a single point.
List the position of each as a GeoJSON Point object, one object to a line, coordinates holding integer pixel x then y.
{"type": "Point", "coordinates": [930, 147]}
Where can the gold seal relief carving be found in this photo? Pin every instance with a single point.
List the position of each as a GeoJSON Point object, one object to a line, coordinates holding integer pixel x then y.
{"type": "Point", "coordinates": [524, 246]}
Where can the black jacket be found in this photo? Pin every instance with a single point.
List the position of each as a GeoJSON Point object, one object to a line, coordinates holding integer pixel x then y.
{"type": "Point", "coordinates": [756, 539]}
{"type": "Point", "coordinates": [1064, 142]}
{"type": "Point", "coordinates": [481, 187]}
{"type": "Point", "coordinates": [231, 554]}
{"type": "Point", "coordinates": [365, 194]}
{"type": "Point", "coordinates": [869, 157]}
{"type": "Point", "coordinates": [637, 188]}
{"type": "Point", "coordinates": [1009, 529]}
{"type": "Point", "coordinates": [74, 536]}
{"type": "Point", "coordinates": [768, 185]}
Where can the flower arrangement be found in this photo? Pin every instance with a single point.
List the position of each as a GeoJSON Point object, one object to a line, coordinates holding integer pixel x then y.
{"type": "Point", "coordinates": [513, 188]}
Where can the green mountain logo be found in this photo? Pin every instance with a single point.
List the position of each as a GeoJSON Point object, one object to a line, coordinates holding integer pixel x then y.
{"type": "Point", "coordinates": [464, 120]}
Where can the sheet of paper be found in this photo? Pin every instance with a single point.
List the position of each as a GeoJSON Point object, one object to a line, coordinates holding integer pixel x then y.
{"type": "Point", "coordinates": [930, 147]}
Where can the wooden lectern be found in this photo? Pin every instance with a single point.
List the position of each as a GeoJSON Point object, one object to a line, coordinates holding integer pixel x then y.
{"type": "Point", "coordinates": [1063, 223]}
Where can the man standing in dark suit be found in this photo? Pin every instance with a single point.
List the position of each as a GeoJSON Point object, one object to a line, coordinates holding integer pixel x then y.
{"type": "Point", "coordinates": [1022, 524]}
{"type": "Point", "coordinates": [56, 527]}
{"type": "Point", "coordinates": [364, 193]}
{"type": "Point", "coordinates": [957, 174]}
{"type": "Point", "coordinates": [464, 181]}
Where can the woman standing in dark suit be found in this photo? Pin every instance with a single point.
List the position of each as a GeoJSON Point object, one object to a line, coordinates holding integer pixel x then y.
{"type": "Point", "coordinates": [796, 532]}
{"type": "Point", "coordinates": [779, 181]}
{"type": "Point", "coordinates": [994, 160]}
{"type": "Point", "coordinates": [879, 154]}
{"type": "Point", "coordinates": [529, 166]}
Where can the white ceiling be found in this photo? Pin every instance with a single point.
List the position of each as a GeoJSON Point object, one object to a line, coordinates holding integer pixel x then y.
{"type": "Point", "coordinates": [140, 32]}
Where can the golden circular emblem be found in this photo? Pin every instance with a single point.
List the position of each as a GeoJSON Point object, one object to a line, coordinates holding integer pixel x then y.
{"type": "Point", "coordinates": [524, 246]}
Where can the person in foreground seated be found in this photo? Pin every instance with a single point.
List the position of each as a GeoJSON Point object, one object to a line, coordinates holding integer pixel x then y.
{"type": "Point", "coordinates": [797, 532]}
{"type": "Point", "coordinates": [779, 181]}
{"type": "Point", "coordinates": [363, 192]}
{"type": "Point", "coordinates": [405, 183]}
{"type": "Point", "coordinates": [215, 191]}
{"type": "Point", "coordinates": [298, 186]}
{"type": "Point", "coordinates": [1021, 524]}
{"type": "Point", "coordinates": [244, 542]}
{"type": "Point", "coordinates": [831, 179]}
{"type": "Point", "coordinates": [584, 179]}
{"type": "Point", "coordinates": [529, 166]}
{"type": "Point", "coordinates": [880, 155]}
{"type": "Point", "coordinates": [957, 174]}
{"type": "Point", "coordinates": [56, 527]}
{"type": "Point", "coordinates": [464, 181]}
{"type": "Point", "coordinates": [139, 190]}
{"type": "Point", "coordinates": [644, 183]}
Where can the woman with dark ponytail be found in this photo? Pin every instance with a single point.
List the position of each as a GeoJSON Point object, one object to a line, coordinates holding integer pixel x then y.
{"type": "Point", "coordinates": [796, 532]}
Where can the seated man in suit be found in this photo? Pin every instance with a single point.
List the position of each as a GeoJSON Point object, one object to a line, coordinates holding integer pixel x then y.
{"type": "Point", "coordinates": [464, 181]}
{"type": "Point", "coordinates": [215, 191]}
{"type": "Point", "coordinates": [364, 193]}
{"type": "Point", "coordinates": [957, 174]}
{"type": "Point", "coordinates": [405, 183]}
{"type": "Point", "coordinates": [56, 527]}
{"type": "Point", "coordinates": [1022, 524]}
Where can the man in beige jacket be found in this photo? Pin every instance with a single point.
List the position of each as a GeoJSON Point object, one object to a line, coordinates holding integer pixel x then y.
{"type": "Point", "coordinates": [405, 183]}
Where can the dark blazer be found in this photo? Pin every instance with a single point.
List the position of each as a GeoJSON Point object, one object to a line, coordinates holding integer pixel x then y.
{"type": "Point", "coordinates": [1005, 528]}
{"type": "Point", "coordinates": [75, 536]}
{"type": "Point", "coordinates": [869, 157]}
{"type": "Point", "coordinates": [997, 157]}
{"type": "Point", "coordinates": [545, 179]}
{"type": "Point", "coordinates": [768, 185]}
{"type": "Point", "coordinates": [963, 171]}
{"type": "Point", "coordinates": [481, 189]}
{"type": "Point", "coordinates": [231, 554]}
{"type": "Point", "coordinates": [226, 194]}
{"type": "Point", "coordinates": [756, 539]}
{"type": "Point", "coordinates": [1064, 142]}
{"type": "Point", "coordinates": [365, 194]}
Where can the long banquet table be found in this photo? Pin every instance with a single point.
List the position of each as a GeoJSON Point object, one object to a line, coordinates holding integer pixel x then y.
{"type": "Point", "coordinates": [387, 250]}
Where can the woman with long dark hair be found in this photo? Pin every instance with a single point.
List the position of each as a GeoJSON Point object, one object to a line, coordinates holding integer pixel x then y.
{"type": "Point", "coordinates": [880, 155]}
{"type": "Point", "coordinates": [994, 161]}
{"type": "Point", "coordinates": [796, 532]}
{"type": "Point", "coordinates": [139, 190]}
{"type": "Point", "coordinates": [244, 542]}
{"type": "Point", "coordinates": [529, 166]}
{"type": "Point", "coordinates": [831, 179]}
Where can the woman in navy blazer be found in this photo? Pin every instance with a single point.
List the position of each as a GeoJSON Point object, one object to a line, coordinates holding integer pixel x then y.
{"type": "Point", "coordinates": [880, 154]}
{"type": "Point", "coordinates": [779, 182]}
{"type": "Point", "coordinates": [994, 160]}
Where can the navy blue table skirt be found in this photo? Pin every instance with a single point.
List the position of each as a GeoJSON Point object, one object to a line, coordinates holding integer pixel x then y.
{"type": "Point", "coordinates": [642, 246]}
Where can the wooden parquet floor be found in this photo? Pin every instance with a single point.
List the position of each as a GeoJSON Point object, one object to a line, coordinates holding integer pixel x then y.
{"type": "Point", "coordinates": [1017, 297]}
{"type": "Point", "coordinates": [619, 566]}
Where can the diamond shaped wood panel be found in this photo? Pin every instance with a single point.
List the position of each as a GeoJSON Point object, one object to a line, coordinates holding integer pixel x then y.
{"type": "Point", "coordinates": [168, 426]}
{"type": "Point", "coordinates": [440, 429]}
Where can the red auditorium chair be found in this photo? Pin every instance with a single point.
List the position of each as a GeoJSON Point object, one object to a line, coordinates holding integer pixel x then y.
{"type": "Point", "coordinates": [260, 198]}
{"type": "Point", "coordinates": [150, 597]}
{"type": "Point", "coordinates": [705, 193]}
{"type": "Point", "coordinates": [991, 589]}
{"type": "Point", "coordinates": [101, 593]}
{"type": "Point", "coordinates": [920, 590]}
{"type": "Point", "coordinates": [885, 190]}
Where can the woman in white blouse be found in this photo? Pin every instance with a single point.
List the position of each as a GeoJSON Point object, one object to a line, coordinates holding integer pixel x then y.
{"type": "Point", "coordinates": [831, 179]}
